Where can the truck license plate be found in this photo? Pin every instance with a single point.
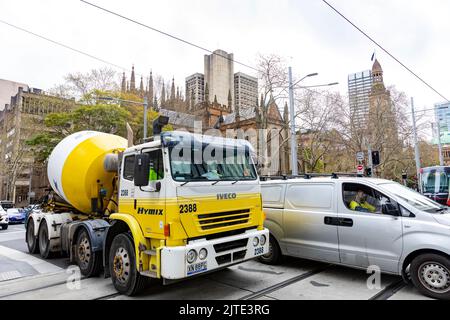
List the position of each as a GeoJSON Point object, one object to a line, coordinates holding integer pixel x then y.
{"type": "Point", "coordinates": [197, 267]}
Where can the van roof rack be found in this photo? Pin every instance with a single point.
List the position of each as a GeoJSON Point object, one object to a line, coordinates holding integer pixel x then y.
{"type": "Point", "coordinates": [334, 175]}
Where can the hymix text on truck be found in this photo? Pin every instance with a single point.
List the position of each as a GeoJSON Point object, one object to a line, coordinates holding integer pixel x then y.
{"type": "Point", "coordinates": [157, 210]}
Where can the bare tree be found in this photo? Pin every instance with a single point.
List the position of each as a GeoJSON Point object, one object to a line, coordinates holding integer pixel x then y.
{"type": "Point", "coordinates": [78, 85]}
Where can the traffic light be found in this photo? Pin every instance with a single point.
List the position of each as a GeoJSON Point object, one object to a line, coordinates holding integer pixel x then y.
{"type": "Point", "coordinates": [375, 158]}
{"type": "Point", "coordinates": [368, 172]}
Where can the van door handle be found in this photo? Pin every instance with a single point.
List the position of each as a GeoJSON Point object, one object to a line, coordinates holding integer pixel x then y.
{"type": "Point", "coordinates": [346, 222]}
{"type": "Point", "coordinates": [331, 221]}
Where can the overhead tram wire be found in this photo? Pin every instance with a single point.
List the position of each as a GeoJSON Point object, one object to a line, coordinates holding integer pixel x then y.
{"type": "Point", "coordinates": [168, 34]}
{"type": "Point", "coordinates": [63, 45]}
{"type": "Point", "coordinates": [386, 51]}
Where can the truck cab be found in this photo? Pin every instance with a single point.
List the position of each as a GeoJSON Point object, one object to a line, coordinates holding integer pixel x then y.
{"type": "Point", "coordinates": [195, 203]}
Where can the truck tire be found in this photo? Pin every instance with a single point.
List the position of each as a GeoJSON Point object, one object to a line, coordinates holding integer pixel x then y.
{"type": "Point", "coordinates": [90, 263]}
{"type": "Point", "coordinates": [430, 274]}
{"type": "Point", "coordinates": [32, 241]}
{"type": "Point", "coordinates": [4, 227]}
{"type": "Point", "coordinates": [274, 255]}
{"type": "Point", "coordinates": [44, 242]}
{"type": "Point", "coordinates": [122, 266]}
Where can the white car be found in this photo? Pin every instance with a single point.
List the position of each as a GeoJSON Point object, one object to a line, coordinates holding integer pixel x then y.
{"type": "Point", "coordinates": [4, 220]}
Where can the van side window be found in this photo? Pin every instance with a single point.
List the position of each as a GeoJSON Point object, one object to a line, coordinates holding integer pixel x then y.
{"type": "Point", "coordinates": [156, 165]}
{"type": "Point", "coordinates": [359, 197]}
{"type": "Point", "coordinates": [128, 167]}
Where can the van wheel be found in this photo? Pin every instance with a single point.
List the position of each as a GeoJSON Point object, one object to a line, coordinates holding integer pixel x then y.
{"type": "Point", "coordinates": [4, 227]}
{"type": "Point", "coordinates": [90, 263]}
{"type": "Point", "coordinates": [44, 242]}
{"type": "Point", "coordinates": [32, 242]}
{"type": "Point", "coordinates": [122, 266]}
{"type": "Point", "coordinates": [274, 255]}
{"type": "Point", "coordinates": [430, 273]}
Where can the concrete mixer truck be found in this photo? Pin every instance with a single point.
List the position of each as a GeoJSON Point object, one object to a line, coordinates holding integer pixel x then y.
{"type": "Point", "coordinates": [176, 207]}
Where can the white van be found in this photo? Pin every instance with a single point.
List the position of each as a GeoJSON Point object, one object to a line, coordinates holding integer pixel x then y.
{"type": "Point", "coordinates": [360, 222]}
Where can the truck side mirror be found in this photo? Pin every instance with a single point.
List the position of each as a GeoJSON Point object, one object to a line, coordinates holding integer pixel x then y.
{"type": "Point", "coordinates": [142, 170]}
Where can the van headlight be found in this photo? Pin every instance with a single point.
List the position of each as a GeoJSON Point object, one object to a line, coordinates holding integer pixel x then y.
{"type": "Point", "coordinates": [191, 256]}
{"type": "Point", "coordinates": [255, 241]}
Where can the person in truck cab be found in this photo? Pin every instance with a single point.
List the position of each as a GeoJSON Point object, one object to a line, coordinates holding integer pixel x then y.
{"type": "Point", "coordinates": [359, 203]}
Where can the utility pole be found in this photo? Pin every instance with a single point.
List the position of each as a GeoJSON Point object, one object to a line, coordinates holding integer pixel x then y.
{"type": "Point", "coordinates": [416, 143]}
{"type": "Point", "coordinates": [292, 125]}
{"type": "Point", "coordinates": [441, 158]}
{"type": "Point", "coordinates": [145, 117]}
{"type": "Point", "coordinates": [369, 156]}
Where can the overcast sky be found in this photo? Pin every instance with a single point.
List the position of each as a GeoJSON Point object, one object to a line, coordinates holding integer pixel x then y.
{"type": "Point", "coordinates": [307, 33]}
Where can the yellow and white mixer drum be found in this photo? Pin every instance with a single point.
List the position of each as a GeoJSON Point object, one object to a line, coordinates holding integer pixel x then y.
{"type": "Point", "coordinates": [75, 167]}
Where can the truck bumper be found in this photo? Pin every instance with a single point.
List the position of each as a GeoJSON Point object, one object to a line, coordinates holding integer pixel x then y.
{"type": "Point", "coordinates": [221, 253]}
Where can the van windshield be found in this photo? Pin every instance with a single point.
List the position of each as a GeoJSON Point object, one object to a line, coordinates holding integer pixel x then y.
{"type": "Point", "coordinates": [413, 198]}
{"type": "Point", "coordinates": [211, 163]}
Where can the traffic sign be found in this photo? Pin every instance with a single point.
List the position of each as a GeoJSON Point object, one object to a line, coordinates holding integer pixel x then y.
{"type": "Point", "coordinates": [360, 169]}
{"type": "Point", "coordinates": [360, 156]}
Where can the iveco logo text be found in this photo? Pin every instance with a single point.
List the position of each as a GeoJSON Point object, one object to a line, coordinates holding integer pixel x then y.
{"type": "Point", "coordinates": [153, 212]}
{"type": "Point", "coordinates": [226, 196]}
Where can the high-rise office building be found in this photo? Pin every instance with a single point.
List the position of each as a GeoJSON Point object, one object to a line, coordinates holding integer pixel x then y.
{"type": "Point", "coordinates": [219, 76]}
{"type": "Point", "coordinates": [442, 117]}
{"type": "Point", "coordinates": [245, 91]}
{"type": "Point", "coordinates": [195, 89]}
{"type": "Point", "coordinates": [359, 88]}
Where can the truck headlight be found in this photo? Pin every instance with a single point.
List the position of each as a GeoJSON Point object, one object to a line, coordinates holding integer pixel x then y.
{"type": "Point", "coordinates": [203, 253]}
{"type": "Point", "coordinates": [262, 240]}
{"type": "Point", "coordinates": [191, 256]}
{"type": "Point", "coordinates": [255, 241]}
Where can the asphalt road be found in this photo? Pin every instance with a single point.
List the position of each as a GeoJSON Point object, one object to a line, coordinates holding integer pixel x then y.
{"type": "Point", "coordinates": [25, 276]}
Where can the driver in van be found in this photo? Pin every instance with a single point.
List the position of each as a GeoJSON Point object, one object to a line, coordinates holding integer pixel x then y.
{"type": "Point", "coordinates": [360, 203]}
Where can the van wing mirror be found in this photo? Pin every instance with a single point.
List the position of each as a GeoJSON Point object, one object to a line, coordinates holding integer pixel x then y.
{"type": "Point", "coordinates": [391, 209]}
{"type": "Point", "coordinates": [142, 170]}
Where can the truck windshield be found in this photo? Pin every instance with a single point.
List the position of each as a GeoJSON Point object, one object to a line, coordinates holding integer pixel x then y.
{"type": "Point", "coordinates": [413, 198]}
{"type": "Point", "coordinates": [211, 163]}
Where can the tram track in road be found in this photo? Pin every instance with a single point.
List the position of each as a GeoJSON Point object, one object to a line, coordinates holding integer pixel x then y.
{"type": "Point", "coordinates": [390, 290]}
{"type": "Point", "coordinates": [48, 286]}
{"type": "Point", "coordinates": [285, 283]}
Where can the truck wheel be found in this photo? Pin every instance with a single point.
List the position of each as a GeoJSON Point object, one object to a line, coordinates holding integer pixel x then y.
{"type": "Point", "coordinates": [44, 242]}
{"type": "Point", "coordinates": [430, 273]}
{"type": "Point", "coordinates": [32, 242]}
{"type": "Point", "coordinates": [4, 227]}
{"type": "Point", "coordinates": [122, 265]}
{"type": "Point", "coordinates": [90, 263]}
{"type": "Point", "coordinates": [274, 254]}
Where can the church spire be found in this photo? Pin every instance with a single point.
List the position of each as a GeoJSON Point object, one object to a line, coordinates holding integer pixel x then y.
{"type": "Point", "coordinates": [150, 89]}
{"type": "Point", "coordinates": [141, 86]}
{"type": "Point", "coordinates": [124, 83]}
{"type": "Point", "coordinates": [133, 80]}
{"type": "Point", "coordinates": [207, 93]}
{"type": "Point", "coordinates": [172, 90]}
{"type": "Point", "coordinates": [163, 95]}
{"type": "Point", "coordinates": [286, 113]}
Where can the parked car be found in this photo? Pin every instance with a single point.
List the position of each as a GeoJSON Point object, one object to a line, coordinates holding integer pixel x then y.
{"type": "Point", "coordinates": [16, 215]}
{"type": "Point", "coordinates": [361, 222]}
{"type": "Point", "coordinates": [4, 220]}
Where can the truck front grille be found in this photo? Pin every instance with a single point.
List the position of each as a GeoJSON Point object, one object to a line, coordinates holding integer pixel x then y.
{"type": "Point", "coordinates": [209, 221]}
{"type": "Point", "coordinates": [231, 245]}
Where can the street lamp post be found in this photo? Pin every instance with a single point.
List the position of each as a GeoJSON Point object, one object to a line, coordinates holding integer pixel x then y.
{"type": "Point", "coordinates": [292, 125]}
{"type": "Point", "coordinates": [292, 116]}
